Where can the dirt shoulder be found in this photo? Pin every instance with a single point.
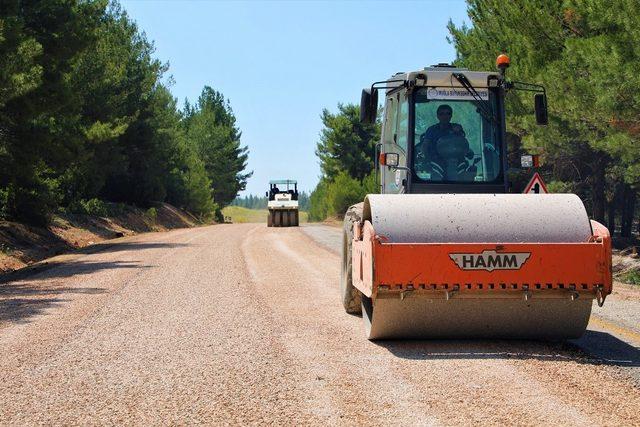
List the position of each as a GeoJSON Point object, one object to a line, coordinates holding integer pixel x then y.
{"type": "Point", "coordinates": [23, 245]}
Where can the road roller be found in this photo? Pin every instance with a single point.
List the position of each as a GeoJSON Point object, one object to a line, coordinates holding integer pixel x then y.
{"type": "Point", "coordinates": [282, 203]}
{"type": "Point", "coordinates": [447, 250]}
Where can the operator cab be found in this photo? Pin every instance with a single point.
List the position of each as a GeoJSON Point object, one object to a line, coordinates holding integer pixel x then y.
{"type": "Point", "coordinates": [444, 130]}
{"type": "Point", "coordinates": [286, 189]}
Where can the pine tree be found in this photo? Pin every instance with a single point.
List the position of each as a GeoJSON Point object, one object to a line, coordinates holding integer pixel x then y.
{"type": "Point", "coordinates": [586, 54]}
{"type": "Point", "coordinates": [211, 127]}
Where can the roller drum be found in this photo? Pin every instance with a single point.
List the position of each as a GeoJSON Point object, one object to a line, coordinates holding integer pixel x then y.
{"type": "Point", "coordinates": [477, 218]}
{"type": "Point", "coordinates": [416, 317]}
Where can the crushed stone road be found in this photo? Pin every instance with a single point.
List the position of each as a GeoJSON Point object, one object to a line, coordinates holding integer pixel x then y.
{"type": "Point", "coordinates": [241, 324]}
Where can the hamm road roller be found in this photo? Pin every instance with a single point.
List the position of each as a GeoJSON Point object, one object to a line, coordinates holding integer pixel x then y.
{"type": "Point", "coordinates": [282, 203]}
{"type": "Point", "coordinates": [445, 251]}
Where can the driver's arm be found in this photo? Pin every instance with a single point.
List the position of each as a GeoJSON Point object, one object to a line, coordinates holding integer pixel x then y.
{"type": "Point", "coordinates": [457, 129]}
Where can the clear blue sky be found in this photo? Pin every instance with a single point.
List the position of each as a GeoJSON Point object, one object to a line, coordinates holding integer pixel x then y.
{"type": "Point", "coordinates": [281, 63]}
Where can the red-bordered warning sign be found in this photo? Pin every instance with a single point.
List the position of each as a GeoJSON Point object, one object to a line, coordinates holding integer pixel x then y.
{"type": "Point", "coordinates": [536, 185]}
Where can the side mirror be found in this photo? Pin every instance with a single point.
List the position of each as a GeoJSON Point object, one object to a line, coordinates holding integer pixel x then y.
{"type": "Point", "coordinates": [542, 116]}
{"type": "Point", "coordinates": [368, 106]}
{"type": "Point", "coordinates": [267, 194]}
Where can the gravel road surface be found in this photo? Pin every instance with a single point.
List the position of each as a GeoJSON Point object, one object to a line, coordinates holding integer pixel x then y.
{"type": "Point", "coordinates": [241, 324]}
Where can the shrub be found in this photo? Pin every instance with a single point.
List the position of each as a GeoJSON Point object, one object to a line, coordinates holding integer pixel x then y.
{"type": "Point", "coordinates": [219, 216]}
{"type": "Point", "coordinates": [343, 192]}
{"type": "Point", "coordinates": [561, 187]}
{"type": "Point", "coordinates": [4, 200]}
{"type": "Point", "coordinates": [632, 277]}
{"type": "Point", "coordinates": [95, 207]}
{"type": "Point", "coordinates": [318, 205]}
{"type": "Point", "coordinates": [334, 198]}
{"type": "Point", "coordinates": [33, 202]}
{"type": "Point", "coordinates": [151, 215]}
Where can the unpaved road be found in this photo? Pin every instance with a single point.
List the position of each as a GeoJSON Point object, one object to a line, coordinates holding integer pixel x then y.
{"type": "Point", "coordinates": [241, 324]}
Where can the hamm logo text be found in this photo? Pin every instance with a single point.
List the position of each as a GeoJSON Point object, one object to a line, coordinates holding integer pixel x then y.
{"type": "Point", "coordinates": [490, 260]}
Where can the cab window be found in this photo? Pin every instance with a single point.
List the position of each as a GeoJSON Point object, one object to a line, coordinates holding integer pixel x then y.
{"type": "Point", "coordinates": [390, 120]}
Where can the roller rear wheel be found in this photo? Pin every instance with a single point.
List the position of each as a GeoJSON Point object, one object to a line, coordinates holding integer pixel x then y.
{"type": "Point", "coordinates": [351, 297]}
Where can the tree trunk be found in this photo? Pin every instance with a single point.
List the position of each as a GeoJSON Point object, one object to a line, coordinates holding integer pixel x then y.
{"type": "Point", "coordinates": [598, 196]}
{"type": "Point", "coordinates": [628, 210]}
{"type": "Point", "coordinates": [611, 213]}
{"type": "Point", "coordinates": [614, 206]}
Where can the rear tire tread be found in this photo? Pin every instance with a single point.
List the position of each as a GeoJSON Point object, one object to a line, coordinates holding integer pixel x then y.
{"type": "Point", "coordinates": [351, 297]}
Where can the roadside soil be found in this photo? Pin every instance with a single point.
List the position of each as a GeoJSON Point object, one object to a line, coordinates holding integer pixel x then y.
{"type": "Point", "coordinates": [241, 324]}
{"type": "Point", "coordinates": [22, 245]}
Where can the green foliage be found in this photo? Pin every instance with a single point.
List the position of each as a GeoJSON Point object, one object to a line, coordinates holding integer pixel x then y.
{"type": "Point", "coordinates": [218, 215]}
{"type": "Point", "coordinates": [346, 144]}
{"type": "Point", "coordinates": [632, 277]}
{"type": "Point", "coordinates": [561, 187]}
{"type": "Point", "coordinates": [250, 202]}
{"type": "Point", "coordinates": [94, 207]}
{"type": "Point", "coordinates": [151, 215]}
{"type": "Point", "coordinates": [318, 202]}
{"type": "Point", "coordinates": [586, 54]}
{"type": "Point", "coordinates": [39, 44]}
{"type": "Point", "coordinates": [346, 151]}
{"type": "Point", "coordinates": [343, 192]}
{"type": "Point", "coordinates": [333, 198]}
{"type": "Point", "coordinates": [257, 202]}
{"type": "Point", "coordinates": [85, 118]}
{"type": "Point", "coordinates": [303, 201]}
{"type": "Point", "coordinates": [4, 200]}
{"type": "Point", "coordinates": [188, 185]}
{"type": "Point", "coordinates": [32, 203]}
{"type": "Point", "coordinates": [210, 127]}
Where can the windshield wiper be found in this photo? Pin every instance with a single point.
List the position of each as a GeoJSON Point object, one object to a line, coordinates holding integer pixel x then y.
{"type": "Point", "coordinates": [484, 108]}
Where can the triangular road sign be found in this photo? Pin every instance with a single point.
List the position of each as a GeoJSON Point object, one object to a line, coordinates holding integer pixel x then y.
{"type": "Point", "coordinates": [536, 185]}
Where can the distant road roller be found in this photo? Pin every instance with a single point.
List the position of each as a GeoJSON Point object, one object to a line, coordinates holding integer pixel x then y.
{"type": "Point", "coordinates": [282, 203]}
{"type": "Point", "coordinates": [445, 251]}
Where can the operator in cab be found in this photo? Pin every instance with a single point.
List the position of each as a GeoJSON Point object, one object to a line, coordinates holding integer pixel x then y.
{"type": "Point", "coordinates": [444, 150]}
{"type": "Point", "coordinates": [444, 127]}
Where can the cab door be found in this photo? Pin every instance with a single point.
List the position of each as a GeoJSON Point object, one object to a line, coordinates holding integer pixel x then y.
{"type": "Point", "coordinates": [394, 140]}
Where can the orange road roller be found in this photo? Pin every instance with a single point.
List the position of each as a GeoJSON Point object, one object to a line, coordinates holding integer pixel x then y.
{"type": "Point", "coordinates": [446, 250]}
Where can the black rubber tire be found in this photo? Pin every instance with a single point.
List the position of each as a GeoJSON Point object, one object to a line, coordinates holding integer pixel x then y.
{"type": "Point", "coordinates": [297, 218]}
{"type": "Point", "coordinates": [277, 219]}
{"type": "Point", "coordinates": [285, 218]}
{"type": "Point", "coordinates": [351, 297]}
{"type": "Point", "coordinates": [270, 219]}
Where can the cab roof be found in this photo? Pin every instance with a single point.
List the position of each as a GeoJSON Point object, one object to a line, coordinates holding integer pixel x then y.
{"type": "Point", "coordinates": [283, 181]}
{"type": "Point", "coordinates": [440, 75]}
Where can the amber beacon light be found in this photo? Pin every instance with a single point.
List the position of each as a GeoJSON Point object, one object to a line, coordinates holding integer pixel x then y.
{"type": "Point", "coordinates": [503, 61]}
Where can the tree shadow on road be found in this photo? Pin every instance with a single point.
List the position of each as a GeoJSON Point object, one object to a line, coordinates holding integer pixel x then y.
{"type": "Point", "coordinates": [63, 268]}
{"type": "Point", "coordinates": [597, 348]}
{"type": "Point", "coordinates": [19, 310]}
{"type": "Point", "coordinates": [25, 297]}
{"type": "Point", "coordinates": [76, 268]}
{"type": "Point", "coordinates": [19, 302]}
{"type": "Point", "coordinates": [107, 246]}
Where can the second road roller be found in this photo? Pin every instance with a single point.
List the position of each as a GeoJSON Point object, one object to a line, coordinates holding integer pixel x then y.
{"type": "Point", "coordinates": [446, 251]}
{"type": "Point", "coordinates": [282, 203]}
